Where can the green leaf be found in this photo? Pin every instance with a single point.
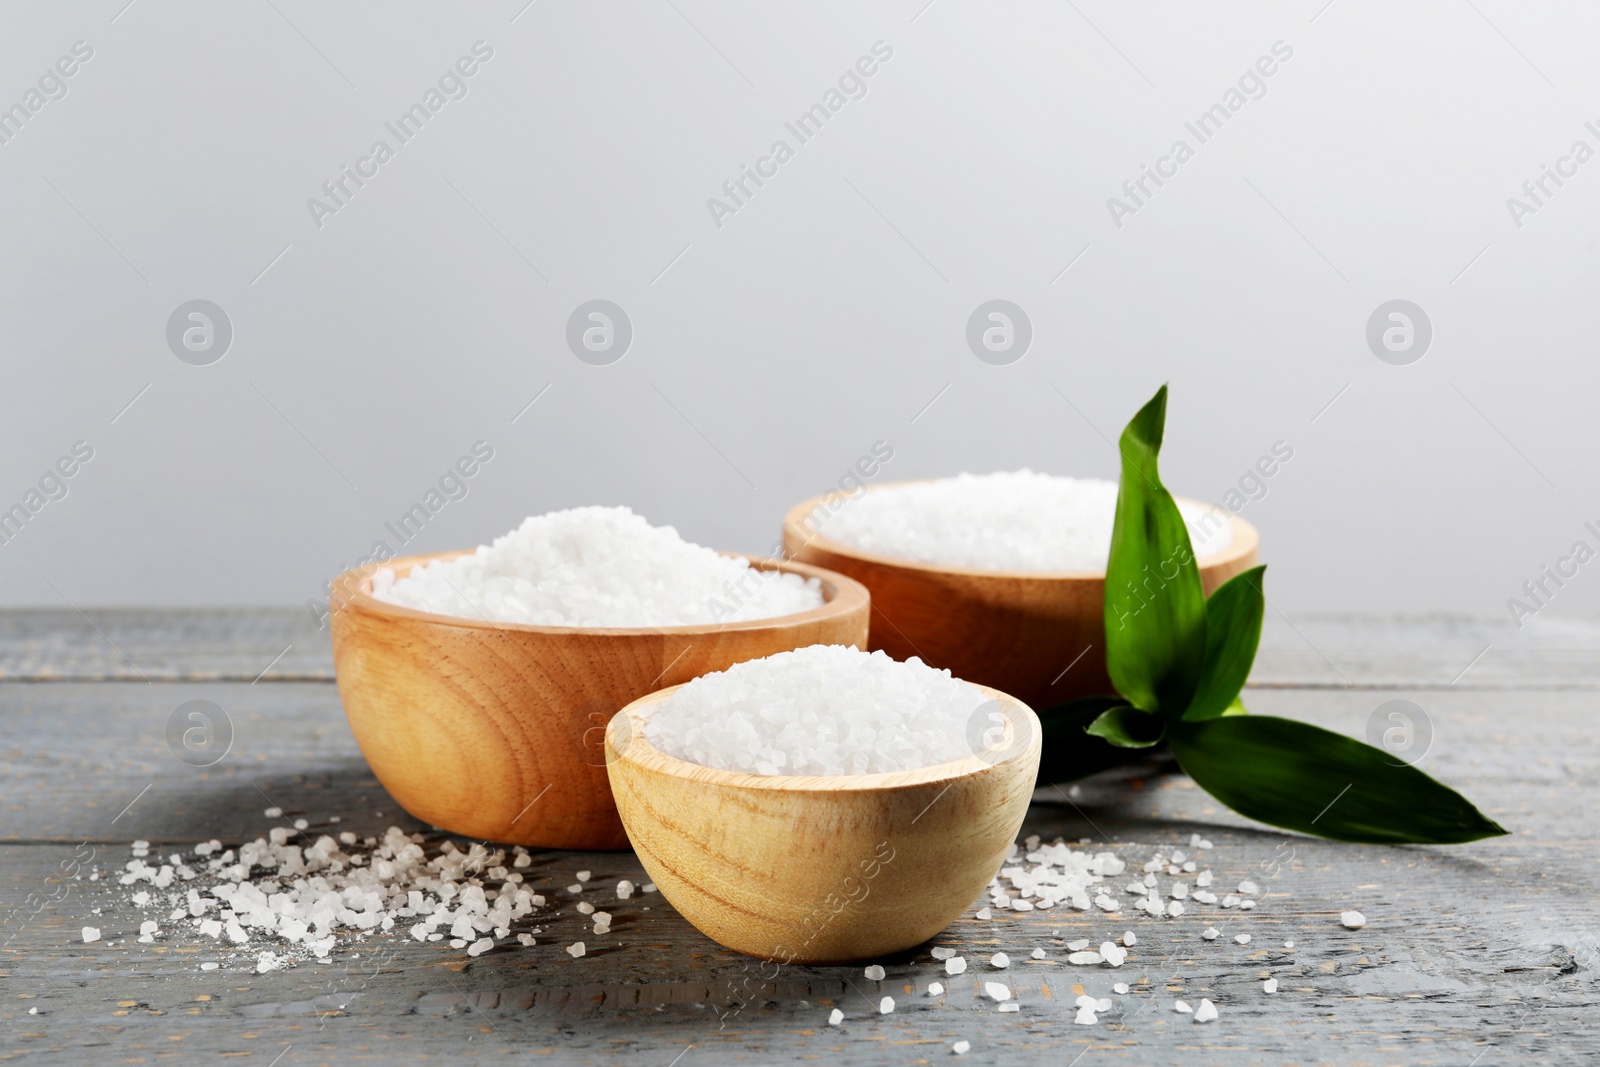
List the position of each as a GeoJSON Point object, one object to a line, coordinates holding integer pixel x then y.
{"type": "Point", "coordinates": [1236, 708]}
{"type": "Point", "coordinates": [1305, 778]}
{"type": "Point", "coordinates": [1233, 630]}
{"type": "Point", "coordinates": [1128, 727]}
{"type": "Point", "coordinates": [1155, 607]}
{"type": "Point", "coordinates": [1069, 753]}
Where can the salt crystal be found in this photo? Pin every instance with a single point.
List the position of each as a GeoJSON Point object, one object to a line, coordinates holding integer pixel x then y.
{"type": "Point", "coordinates": [1211, 933]}
{"type": "Point", "coordinates": [624, 889]}
{"type": "Point", "coordinates": [1181, 1007]}
{"type": "Point", "coordinates": [1021, 905]}
{"type": "Point", "coordinates": [1119, 987]}
{"type": "Point", "coordinates": [985, 913]}
{"type": "Point", "coordinates": [575, 950]}
{"type": "Point", "coordinates": [141, 898]}
{"type": "Point", "coordinates": [1078, 946]}
{"type": "Point", "coordinates": [1174, 908]}
{"type": "Point", "coordinates": [584, 876]}
{"type": "Point", "coordinates": [835, 1017]}
{"type": "Point", "coordinates": [598, 566]}
{"type": "Point", "coordinates": [1000, 959]}
{"type": "Point", "coordinates": [1205, 1012]}
{"type": "Point", "coordinates": [1129, 939]}
{"type": "Point", "coordinates": [649, 887]}
{"type": "Point", "coordinates": [209, 966]}
{"type": "Point", "coordinates": [955, 965]}
{"type": "Point", "coordinates": [1288, 944]}
{"type": "Point", "coordinates": [1113, 954]}
{"type": "Point", "coordinates": [997, 991]}
{"type": "Point", "coordinates": [1085, 959]}
{"type": "Point", "coordinates": [875, 973]}
{"type": "Point", "coordinates": [1246, 905]}
{"type": "Point", "coordinates": [1010, 1005]}
{"type": "Point", "coordinates": [1203, 879]}
{"type": "Point", "coordinates": [480, 946]}
{"type": "Point", "coordinates": [1179, 890]}
{"type": "Point", "coordinates": [942, 952]}
{"type": "Point", "coordinates": [1353, 920]}
{"type": "Point", "coordinates": [1037, 954]}
{"type": "Point", "coordinates": [575, 887]}
{"type": "Point", "coordinates": [585, 908]}
{"type": "Point", "coordinates": [800, 713]}
{"type": "Point", "coordinates": [886, 1005]}
{"type": "Point", "coordinates": [1011, 521]}
{"type": "Point", "coordinates": [960, 1048]}
{"type": "Point", "coordinates": [301, 824]}
{"type": "Point", "coordinates": [525, 940]}
{"type": "Point", "coordinates": [1243, 939]}
{"type": "Point", "coordinates": [90, 935]}
{"type": "Point", "coordinates": [458, 942]}
{"type": "Point", "coordinates": [1248, 888]}
{"type": "Point", "coordinates": [273, 813]}
{"type": "Point", "coordinates": [1270, 985]}
{"type": "Point", "coordinates": [935, 989]}
{"type": "Point", "coordinates": [1204, 896]}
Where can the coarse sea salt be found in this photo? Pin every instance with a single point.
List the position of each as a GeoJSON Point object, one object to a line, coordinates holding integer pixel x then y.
{"type": "Point", "coordinates": [597, 567]}
{"type": "Point", "coordinates": [820, 710]}
{"type": "Point", "coordinates": [1016, 520]}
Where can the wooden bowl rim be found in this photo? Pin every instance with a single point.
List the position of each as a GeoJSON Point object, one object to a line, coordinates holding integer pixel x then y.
{"type": "Point", "coordinates": [841, 596]}
{"type": "Point", "coordinates": [1246, 541]}
{"type": "Point", "coordinates": [643, 754]}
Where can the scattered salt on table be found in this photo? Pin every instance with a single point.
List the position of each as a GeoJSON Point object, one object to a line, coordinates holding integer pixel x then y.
{"type": "Point", "coordinates": [835, 1017]}
{"type": "Point", "coordinates": [1353, 920]}
{"type": "Point", "coordinates": [875, 973]}
{"type": "Point", "coordinates": [1205, 1012]}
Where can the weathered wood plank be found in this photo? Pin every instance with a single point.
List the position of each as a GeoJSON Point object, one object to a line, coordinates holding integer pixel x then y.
{"type": "Point", "coordinates": [1487, 949]}
{"type": "Point", "coordinates": [1332, 651]}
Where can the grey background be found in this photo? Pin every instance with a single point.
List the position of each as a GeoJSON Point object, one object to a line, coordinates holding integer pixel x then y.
{"type": "Point", "coordinates": [828, 313]}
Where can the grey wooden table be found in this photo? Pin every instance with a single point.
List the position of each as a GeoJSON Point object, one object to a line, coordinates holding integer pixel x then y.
{"type": "Point", "coordinates": [1484, 953]}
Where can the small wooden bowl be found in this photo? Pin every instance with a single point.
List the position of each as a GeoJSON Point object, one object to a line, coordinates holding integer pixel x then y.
{"type": "Point", "coordinates": [1018, 631]}
{"type": "Point", "coordinates": [822, 869]}
{"type": "Point", "coordinates": [494, 729]}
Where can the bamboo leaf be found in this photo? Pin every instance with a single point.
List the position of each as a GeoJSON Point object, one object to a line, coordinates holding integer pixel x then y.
{"type": "Point", "coordinates": [1233, 630]}
{"type": "Point", "coordinates": [1069, 753]}
{"type": "Point", "coordinates": [1305, 778]}
{"type": "Point", "coordinates": [1155, 608]}
{"type": "Point", "coordinates": [1128, 727]}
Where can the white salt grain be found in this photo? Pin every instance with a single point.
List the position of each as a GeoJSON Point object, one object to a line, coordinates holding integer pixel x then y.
{"type": "Point", "coordinates": [1129, 939]}
{"type": "Point", "coordinates": [1016, 520]}
{"type": "Point", "coordinates": [1078, 946]}
{"type": "Point", "coordinates": [576, 950]}
{"type": "Point", "coordinates": [820, 710]}
{"type": "Point", "coordinates": [584, 876]}
{"type": "Point", "coordinates": [886, 1005]}
{"type": "Point", "coordinates": [985, 913]}
{"type": "Point", "coordinates": [1288, 944]}
{"type": "Point", "coordinates": [1182, 1007]}
{"type": "Point", "coordinates": [1085, 959]}
{"type": "Point", "coordinates": [835, 1017]}
{"type": "Point", "coordinates": [1205, 1012]}
{"type": "Point", "coordinates": [1119, 987]}
{"type": "Point", "coordinates": [1000, 959]}
{"type": "Point", "coordinates": [874, 973]}
{"type": "Point", "coordinates": [1243, 939]}
{"type": "Point", "coordinates": [1270, 985]}
{"type": "Point", "coordinates": [1114, 954]}
{"type": "Point", "coordinates": [955, 965]}
{"type": "Point", "coordinates": [273, 813]}
{"type": "Point", "coordinates": [1211, 933]}
{"type": "Point", "coordinates": [997, 991]}
{"type": "Point", "coordinates": [935, 989]}
{"type": "Point", "coordinates": [1353, 920]}
{"type": "Point", "coordinates": [209, 966]}
{"type": "Point", "coordinates": [598, 566]}
{"type": "Point", "coordinates": [1010, 1005]}
{"type": "Point", "coordinates": [1037, 954]}
{"type": "Point", "coordinates": [1248, 888]}
{"type": "Point", "coordinates": [942, 952]}
{"type": "Point", "coordinates": [480, 946]}
{"type": "Point", "coordinates": [624, 889]}
{"type": "Point", "coordinates": [90, 935]}
{"type": "Point", "coordinates": [960, 1048]}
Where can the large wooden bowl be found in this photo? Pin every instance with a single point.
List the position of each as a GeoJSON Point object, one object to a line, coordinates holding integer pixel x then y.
{"type": "Point", "coordinates": [823, 869]}
{"type": "Point", "coordinates": [495, 730]}
{"type": "Point", "coordinates": [1037, 635]}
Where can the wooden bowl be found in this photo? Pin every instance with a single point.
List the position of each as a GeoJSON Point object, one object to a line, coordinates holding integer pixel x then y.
{"type": "Point", "coordinates": [822, 869]}
{"type": "Point", "coordinates": [1037, 635]}
{"type": "Point", "coordinates": [495, 730]}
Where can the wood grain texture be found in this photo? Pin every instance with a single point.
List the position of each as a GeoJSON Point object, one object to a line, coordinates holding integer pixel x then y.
{"type": "Point", "coordinates": [495, 730]}
{"type": "Point", "coordinates": [822, 869]}
{"type": "Point", "coordinates": [1039, 637]}
{"type": "Point", "coordinates": [1327, 651]}
{"type": "Point", "coordinates": [1484, 953]}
